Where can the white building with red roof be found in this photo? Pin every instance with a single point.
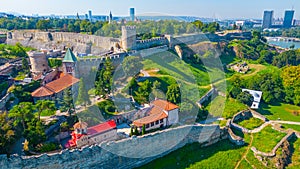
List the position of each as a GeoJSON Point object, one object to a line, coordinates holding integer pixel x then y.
{"type": "Point", "coordinates": [161, 114]}
{"type": "Point", "coordinates": [82, 135]}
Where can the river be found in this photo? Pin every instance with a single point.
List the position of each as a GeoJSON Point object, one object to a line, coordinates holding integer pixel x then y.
{"type": "Point", "coordinates": [284, 44]}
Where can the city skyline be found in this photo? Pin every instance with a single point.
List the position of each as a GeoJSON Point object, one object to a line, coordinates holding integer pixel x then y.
{"type": "Point", "coordinates": [199, 8]}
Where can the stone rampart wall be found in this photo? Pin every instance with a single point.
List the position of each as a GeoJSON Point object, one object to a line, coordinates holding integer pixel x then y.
{"type": "Point", "coordinates": [127, 153]}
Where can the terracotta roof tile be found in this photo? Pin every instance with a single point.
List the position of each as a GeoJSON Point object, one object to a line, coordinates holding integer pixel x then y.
{"type": "Point", "coordinates": [150, 119]}
{"type": "Point", "coordinates": [62, 83]}
{"type": "Point", "coordinates": [168, 106]}
{"type": "Point", "coordinates": [42, 92]}
{"type": "Point", "coordinates": [55, 86]}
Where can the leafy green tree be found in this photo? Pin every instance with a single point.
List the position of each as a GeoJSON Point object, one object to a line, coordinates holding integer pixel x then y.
{"type": "Point", "coordinates": [173, 93]}
{"type": "Point", "coordinates": [25, 65]}
{"type": "Point", "coordinates": [22, 114]}
{"type": "Point", "coordinates": [43, 25]}
{"type": "Point", "coordinates": [144, 129]}
{"type": "Point", "coordinates": [143, 92]}
{"type": "Point", "coordinates": [7, 136]}
{"type": "Point", "coordinates": [245, 98]}
{"type": "Point", "coordinates": [45, 107]}
{"type": "Point", "coordinates": [291, 83]}
{"type": "Point", "coordinates": [67, 102]}
{"type": "Point", "coordinates": [104, 82]}
{"type": "Point", "coordinates": [35, 133]}
{"type": "Point", "coordinates": [83, 97]}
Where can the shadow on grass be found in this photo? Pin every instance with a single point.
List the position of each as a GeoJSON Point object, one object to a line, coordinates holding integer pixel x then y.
{"type": "Point", "coordinates": [191, 154]}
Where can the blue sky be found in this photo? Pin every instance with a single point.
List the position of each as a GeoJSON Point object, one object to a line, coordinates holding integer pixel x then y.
{"type": "Point", "coordinates": [203, 8]}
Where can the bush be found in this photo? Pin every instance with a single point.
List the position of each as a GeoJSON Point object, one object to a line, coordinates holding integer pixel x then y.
{"type": "Point", "coordinates": [46, 147]}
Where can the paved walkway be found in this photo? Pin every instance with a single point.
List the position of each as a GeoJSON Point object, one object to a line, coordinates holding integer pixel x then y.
{"type": "Point", "coordinates": [285, 122]}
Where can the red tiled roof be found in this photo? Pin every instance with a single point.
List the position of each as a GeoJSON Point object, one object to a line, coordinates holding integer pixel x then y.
{"type": "Point", "coordinates": [62, 83]}
{"type": "Point", "coordinates": [38, 77]}
{"type": "Point", "coordinates": [55, 86]}
{"type": "Point", "coordinates": [150, 119]}
{"type": "Point", "coordinates": [42, 92]}
{"type": "Point", "coordinates": [164, 105]}
{"type": "Point", "coordinates": [100, 128]}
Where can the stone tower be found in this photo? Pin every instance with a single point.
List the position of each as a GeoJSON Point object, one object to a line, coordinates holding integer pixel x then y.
{"type": "Point", "coordinates": [128, 38]}
{"type": "Point", "coordinates": [38, 62]}
{"type": "Point", "coordinates": [69, 63]}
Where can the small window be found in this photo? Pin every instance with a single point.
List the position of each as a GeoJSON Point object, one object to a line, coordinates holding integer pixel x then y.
{"type": "Point", "coordinates": [161, 120]}
{"type": "Point", "coordinates": [152, 124]}
{"type": "Point", "coordinates": [147, 125]}
{"type": "Point", "coordinates": [157, 122]}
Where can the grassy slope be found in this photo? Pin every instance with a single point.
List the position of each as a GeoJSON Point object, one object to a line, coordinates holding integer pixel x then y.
{"type": "Point", "coordinates": [221, 155]}
{"type": "Point", "coordinates": [282, 111]}
{"type": "Point", "coordinates": [216, 107]}
{"type": "Point", "coordinates": [267, 139]}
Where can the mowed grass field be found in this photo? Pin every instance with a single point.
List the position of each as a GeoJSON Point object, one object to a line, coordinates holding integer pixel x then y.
{"type": "Point", "coordinates": [281, 111]}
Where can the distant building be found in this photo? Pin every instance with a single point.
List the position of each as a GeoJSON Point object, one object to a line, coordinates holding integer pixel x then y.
{"type": "Point", "coordinates": [288, 18]}
{"type": "Point", "coordinates": [132, 14]}
{"type": "Point", "coordinates": [161, 114]}
{"type": "Point", "coordinates": [90, 16]}
{"type": "Point", "coordinates": [82, 135]}
{"type": "Point", "coordinates": [268, 19]}
{"type": "Point", "coordinates": [110, 18]}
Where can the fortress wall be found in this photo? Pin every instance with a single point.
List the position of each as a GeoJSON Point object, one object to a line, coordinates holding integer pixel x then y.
{"type": "Point", "coordinates": [127, 153]}
{"type": "Point", "coordinates": [39, 39]}
{"type": "Point", "coordinates": [150, 43]}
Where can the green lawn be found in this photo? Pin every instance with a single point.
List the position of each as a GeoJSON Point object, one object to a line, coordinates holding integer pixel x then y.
{"type": "Point", "coordinates": [282, 111]}
{"type": "Point", "coordinates": [267, 139]}
{"type": "Point", "coordinates": [232, 106]}
{"type": "Point", "coordinates": [295, 127]}
{"type": "Point", "coordinates": [221, 155]}
{"type": "Point", "coordinates": [251, 123]}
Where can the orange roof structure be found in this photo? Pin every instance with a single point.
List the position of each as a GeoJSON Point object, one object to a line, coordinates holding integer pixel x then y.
{"type": "Point", "coordinates": [42, 92]}
{"type": "Point", "coordinates": [62, 83]}
{"type": "Point", "coordinates": [150, 119]}
{"type": "Point", "coordinates": [157, 112]}
{"type": "Point", "coordinates": [168, 106]}
{"type": "Point", "coordinates": [55, 86]}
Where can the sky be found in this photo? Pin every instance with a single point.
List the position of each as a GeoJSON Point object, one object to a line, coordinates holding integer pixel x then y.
{"type": "Point", "coordinates": [222, 9]}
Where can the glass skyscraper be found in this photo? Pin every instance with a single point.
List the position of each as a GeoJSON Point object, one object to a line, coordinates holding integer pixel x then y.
{"type": "Point", "coordinates": [131, 11]}
{"type": "Point", "coordinates": [288, 19]}
{"type": "Point", "coordinates": [268, 19]}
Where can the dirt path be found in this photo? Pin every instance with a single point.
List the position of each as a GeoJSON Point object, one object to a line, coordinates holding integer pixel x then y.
{"type": "Point", "coordinates": [245, 154]}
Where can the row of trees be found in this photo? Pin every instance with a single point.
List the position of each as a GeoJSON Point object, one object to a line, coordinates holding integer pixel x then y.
{"type": "Point", "coordinates": [276, 86]}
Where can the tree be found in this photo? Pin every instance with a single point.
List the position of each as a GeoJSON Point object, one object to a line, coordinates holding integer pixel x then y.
{"type": "Point", "coordinates": [35, 132]}
{"type": "Point", "coordinates": [142, 95]}
{"type": "Point", "coordinates": [43, 25]}
{"type": "Point", "coordinates": [7, 136]}
{"type": "Point", "coordinates": [291, 83]}
{"type": "Point", "coordinates": [22, 114]}
{"type": "Point", "coordinates": [144, 129]}
{"type": "Point", "coordinates": [246, 98]}
{"type": "Point", "coordinates": [45, 107]}
{"type": "Point", "coordinates": [67, 102]}
{"type": "Point", "coordinates": [132, 65]}
{"type": "Point", "coordinates": [104, 82]}
{"type": "Point", "coordinates": [173, 94]}
{"type": "Point", "coordinates": [25, 65]}
{"type": "Point", "coordinates": [83, 97]}
{"type": "Point", "coordinates": [155, 89]}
